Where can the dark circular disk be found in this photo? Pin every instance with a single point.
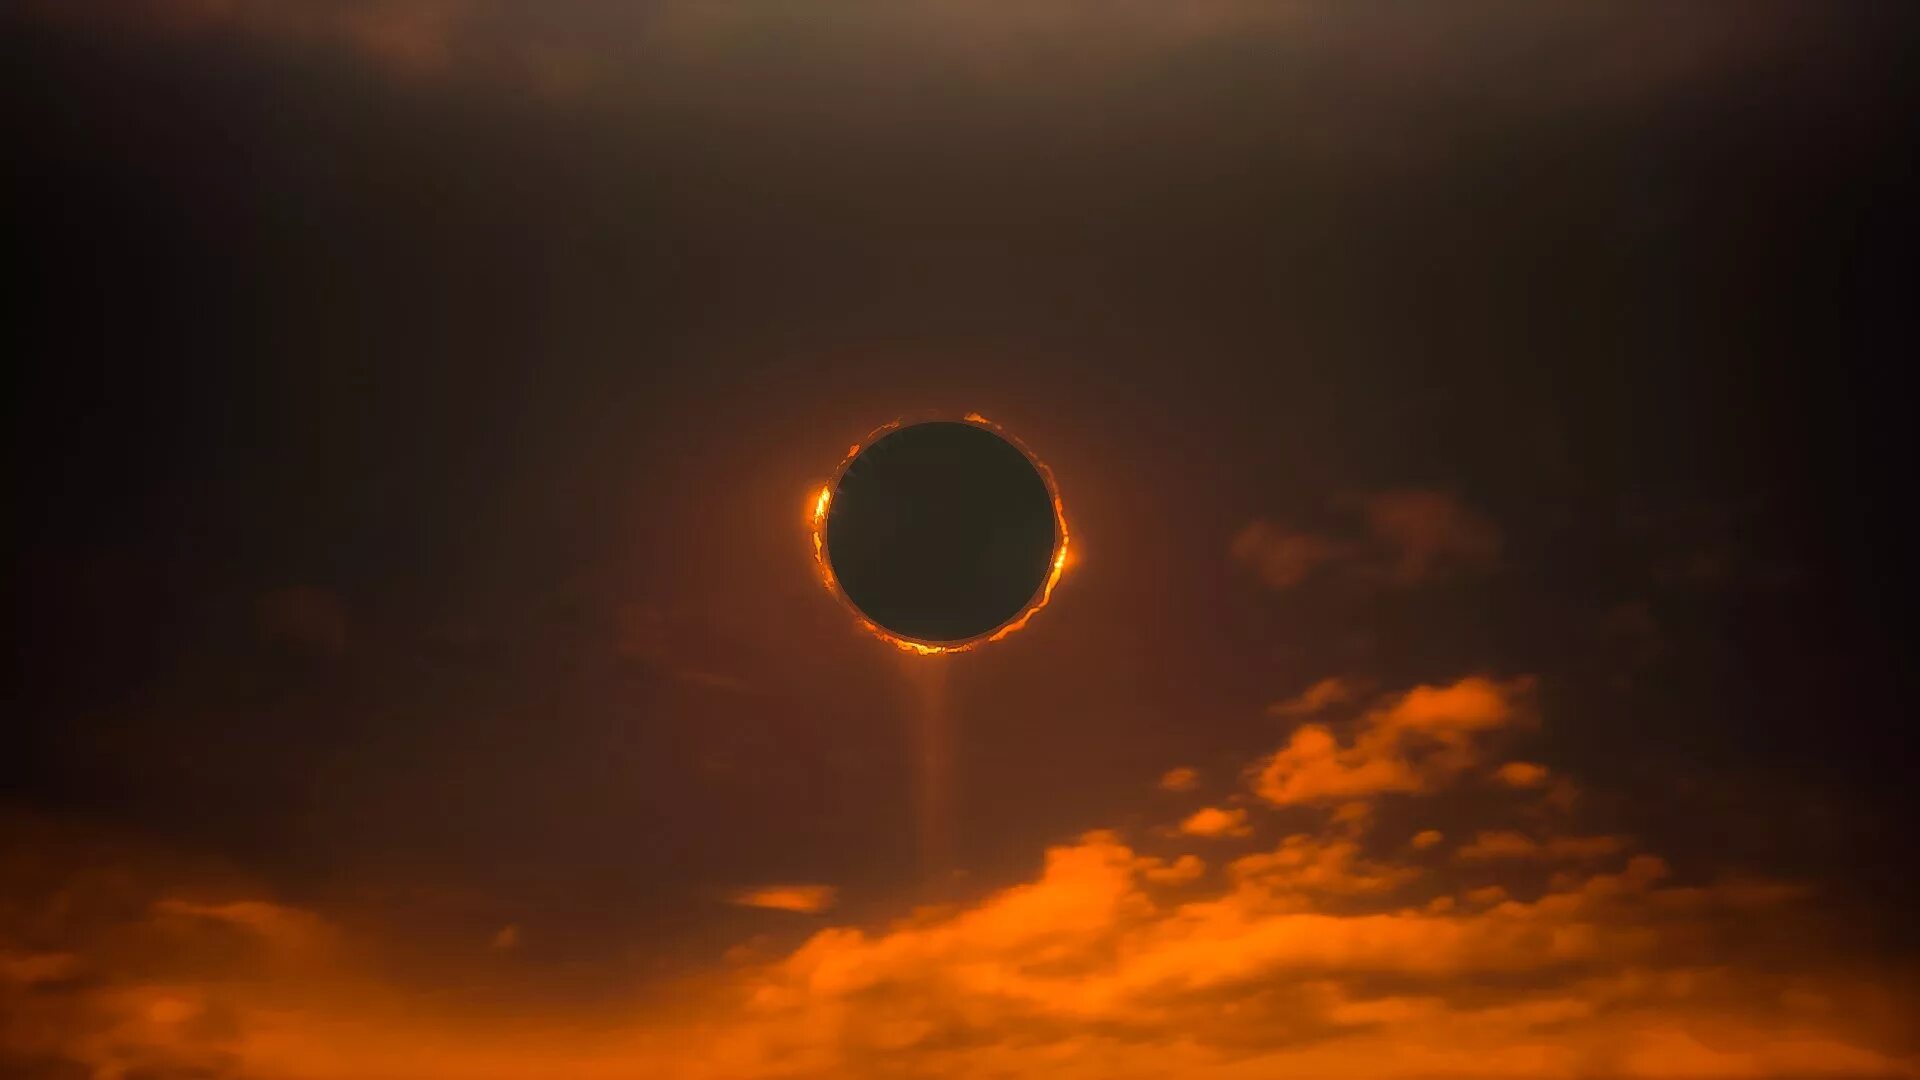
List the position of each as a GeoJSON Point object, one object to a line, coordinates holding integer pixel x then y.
{"type": "Point", "coordinates": [941, 531]}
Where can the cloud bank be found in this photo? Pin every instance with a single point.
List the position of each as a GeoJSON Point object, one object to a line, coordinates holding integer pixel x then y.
{"type": "Point", "coordinates": [1321, 946]}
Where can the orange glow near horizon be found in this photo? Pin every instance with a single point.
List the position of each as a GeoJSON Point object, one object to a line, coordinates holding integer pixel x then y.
{"type": "Point", "coordinates": [822, 500]}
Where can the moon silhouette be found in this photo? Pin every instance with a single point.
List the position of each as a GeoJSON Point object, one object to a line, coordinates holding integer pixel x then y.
{"type": "Point", "coordinates": [941, 533]}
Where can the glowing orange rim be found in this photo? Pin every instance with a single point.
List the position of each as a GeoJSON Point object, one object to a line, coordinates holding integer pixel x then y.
{"type": "Point", "coordinates": [817, 517]}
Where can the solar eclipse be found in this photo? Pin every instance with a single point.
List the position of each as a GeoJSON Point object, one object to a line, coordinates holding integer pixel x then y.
{"type": "Point", "coordinates": [941, 535]}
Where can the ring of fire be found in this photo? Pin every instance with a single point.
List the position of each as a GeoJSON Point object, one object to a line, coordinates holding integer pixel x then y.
{"type": "Point", "coordinates": [822, 500]}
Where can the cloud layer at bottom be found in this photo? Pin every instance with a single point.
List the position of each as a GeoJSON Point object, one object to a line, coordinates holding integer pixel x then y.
{"type": "Point", "coordinates": [1313, 948]}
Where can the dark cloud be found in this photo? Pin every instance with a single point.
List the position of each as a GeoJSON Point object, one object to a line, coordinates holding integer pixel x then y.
{"type": "Point", "coordinates": [1404, 538]}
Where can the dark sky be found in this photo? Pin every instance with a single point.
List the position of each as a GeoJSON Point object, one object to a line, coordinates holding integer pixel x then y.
{"type": "Point", "coordinates": [414, 408]}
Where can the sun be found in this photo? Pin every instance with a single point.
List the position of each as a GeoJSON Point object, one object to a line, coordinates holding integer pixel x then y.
{"type": "Point", "coordinates": [821, 500]}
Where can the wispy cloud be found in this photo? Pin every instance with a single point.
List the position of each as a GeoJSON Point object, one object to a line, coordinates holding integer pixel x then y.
{"type": "Point", "coordinates": [1315, 699]}
{"type": "Point", "coordinates": [805, 899]}
{"type": "Point", "coordinates": [1425, 533]}
{"type": "Point", "coordinates": [1179, 778]}
{"type": "Point", "coordinates": [1401, 538]}
{"type": "Point", "coordinates": [1507, 844]}
{"type": "Point", "coordinates": [1280, 557]}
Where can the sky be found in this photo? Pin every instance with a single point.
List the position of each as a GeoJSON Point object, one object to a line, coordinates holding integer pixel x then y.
{"type": "Point", "coordinates": [1482, 651]}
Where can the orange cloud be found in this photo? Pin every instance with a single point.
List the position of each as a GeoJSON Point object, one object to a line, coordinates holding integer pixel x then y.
{"type": "Point", "coordinates": [1486, 895]}
{"type": "Point", "coordinates": [1182, 870]}
{"type": "Point", "coordinates": [1505, 844]}
{"type": "Point", "coordinates": [1080, 972]}
{"type": "Point", "coordinates": [1426, 838]}
{"type": "Point", "coordinates": [1521, 774]}
{"type": "Point", "coordinates": [277, 931]}
{"type": "Point", "coordinates": [805, 899]}
{"type": "Point", "coordinates": [1024, 982]}
{"type": "Point", "coordinates": [1352, 818]}
{"type": "Point", "coordinates": [1182, 778]}
{"type": "Point", "coordinates": [1419, 742]}
{"type": "Point", "coordinates": [1305, 864]}
{"type": "Point", "coordinates": [1213, 821]}
{"type": "Point", "coordinates": [1314, 699]}
{"type": "Point", "coordinates": [1320, 956]}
